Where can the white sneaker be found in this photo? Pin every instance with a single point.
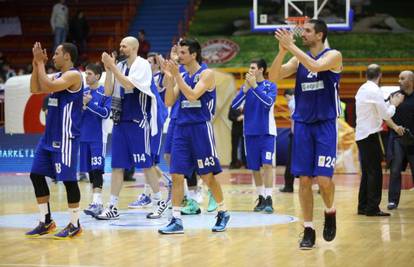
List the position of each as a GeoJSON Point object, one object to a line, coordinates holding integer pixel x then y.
{"type": "Point", "coordinates": [109, 213]}
{"type": "Point", "coordinates": [159, 210]}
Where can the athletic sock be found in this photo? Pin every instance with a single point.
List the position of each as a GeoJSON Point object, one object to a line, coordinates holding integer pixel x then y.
{"type": "Point", "coordinates": [45, 216]}
{"type": "Point", "coordinates": [113, 201]}
{"type": "Point", "coordinates": [176, 212]}
{"type": "Point", "coordinates": [74, 216]}
{"type": "Point", "coordinates": [97, 198]}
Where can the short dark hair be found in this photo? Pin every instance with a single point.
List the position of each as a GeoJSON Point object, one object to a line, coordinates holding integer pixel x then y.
{"type": "Point", "coordinates": [261, 63]}
{"type": "Point", "coordinates": [141, 31]}
{"type": "Point", "coordinates": [95, 68]}
{"type": "Point", "coordinates": [373, 72]}
{"type": "Point", "coordinates": [288, 92]}
{"type": "Point", "coordinates": [193, 47]}
{"type": "Point", "coordinates": [72, 50]}
{"type": "Point", "coordinates": [320, 26]}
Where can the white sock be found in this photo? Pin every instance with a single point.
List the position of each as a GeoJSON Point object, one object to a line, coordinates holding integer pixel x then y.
{"type": "Point", "coordinates": [44, 210]}
{"type": "Point", "coordinates": [113, 201]}
{"type": "Point", "coordinates": [186, 192]}
{"type": "Point", "coordinates": [268, 191]}
{"type": "Point", "coordinates": [97, 198]}
{"type": "Point", "coordinates": [156, 196]}
{"type": "Point", "coordinates": [176, 212]}
{"type": "Point", "coordinates": [308, 224]}
{"type": "Point", "coordinates": [260, 190]}
{"type": "Point", "coordinates": [221, 206]}
{"type": "Point", "coordinates": [192, 194]}
{"type": "Point", "coordinates": [146, 190]}
{"type": "Point", "coordinates": [74, 216]}
{"type": "Point", "coordinates": [330, 210]}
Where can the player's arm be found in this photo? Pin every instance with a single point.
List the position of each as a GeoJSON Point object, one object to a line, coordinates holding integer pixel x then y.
{"type": "Point", "coordinates": [238, 100]}
{"type": "Point", "coordinates": [171, 91]}
{"type": "Point", "coordinates": [278, 70]}
{"type": "Point", "coordinates": [99, 109]}
{"type": "Point", "coordinates": [205, 83]}
{"type": "Point", "coordinates": [109, 63]}
{"type": "Point", "coordinates": [34, 81]}
{"type": "Point", "coordinates": [70, 80]}
{"type": "Point", "coordinates": [332, 60]}
{"type": "Point", "coordinates": [266, 98]}
{"type": "Point", "coordinates": [109, 83]}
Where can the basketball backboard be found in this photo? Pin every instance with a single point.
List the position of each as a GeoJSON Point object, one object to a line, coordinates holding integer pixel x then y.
{"type": "Point", "coordinates": [268, 15]}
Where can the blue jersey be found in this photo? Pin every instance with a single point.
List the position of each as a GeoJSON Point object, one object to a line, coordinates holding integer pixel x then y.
{"type": "Point", "coordinates": [161, 108]}
{"type": "Point", "coordinates": [316, 94]}
{"type": "Point", "coordinates": [63, 120]}
{"type": "Point", "coordinates": [258, 108]}
{"type": "Point", "coordinates": [159, 83]}
{"type": "Point", "coordinates": [93, 114]}
{"type": "Point", "coordinates": [201, 110]}
{"type": "Point", "coordinates": [136, 106]}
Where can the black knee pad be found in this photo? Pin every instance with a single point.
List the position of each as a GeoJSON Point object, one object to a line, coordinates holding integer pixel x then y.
{"type": "Point", "coordinates": [96, 178]}
{"type": "Point", "coordinates": [72, 191]}
{"type": "Point", "coordinates": [40, 185]}
{"type": "Point", "coordinates": [192, 180]}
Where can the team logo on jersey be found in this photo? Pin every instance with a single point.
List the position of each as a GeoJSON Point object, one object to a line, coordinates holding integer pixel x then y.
{"type": "Point", "coordinates": [219, 51]}
{"type": "Point", "coordinates": [197, 78]}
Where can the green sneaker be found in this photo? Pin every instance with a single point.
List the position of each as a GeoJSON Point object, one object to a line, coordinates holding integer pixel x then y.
{"type": "Point", "coordinates": [212, 204]}
{"type": "Point", "coordinates": [191, 208]}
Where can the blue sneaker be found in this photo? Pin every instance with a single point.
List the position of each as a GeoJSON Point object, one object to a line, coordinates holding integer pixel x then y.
{"type": "Point", "coordinates": [223, 218]}
{"type": "Point", "coordinates": [174, 227]}
{"type": "Point", "coordinates": [141, 202]}
{"type": "Point", "coordinates": [69, 232]}
{"type": "Point", "coordinates": [94, 209]}
{"type": "Point", "coordinates": [42, 229]}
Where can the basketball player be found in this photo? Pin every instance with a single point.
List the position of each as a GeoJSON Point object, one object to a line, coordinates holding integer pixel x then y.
{"type": "Point", "coordinates": [135, 118]}
{"type": "Point", "coordinates": [56, 155]}
{"type": "Point", "coordinates": [96, 108]}
{"type": "Point", "coordinates": [193, 138]}
{"type": "Point", "coordinates": [317, 109]}
{"type": "Point", "coordinates": [144, 199]}
{"type": "Point", "coordinates": [259, 96]}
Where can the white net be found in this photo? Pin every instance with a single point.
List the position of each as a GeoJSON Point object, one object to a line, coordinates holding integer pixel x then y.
{"type": "Point", "coordinates": [296, 25]}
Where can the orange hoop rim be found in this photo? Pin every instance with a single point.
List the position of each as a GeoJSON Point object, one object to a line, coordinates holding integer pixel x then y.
{"type": "Point", "coordinates": [297, 20]}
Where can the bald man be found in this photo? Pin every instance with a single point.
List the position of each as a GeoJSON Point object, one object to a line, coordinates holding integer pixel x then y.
{"type": "Point", "coordinates": [401, 149]}
{"type": "Point", "coordinates": [371, 110]}
{"type": "Point", "coordinates": [131, 113]}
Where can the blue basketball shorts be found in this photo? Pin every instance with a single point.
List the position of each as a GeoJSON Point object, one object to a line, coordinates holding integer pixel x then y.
{"type": "Point", "coordinates": [193, 146]}
{"type": "Point", "coordinates": [60, 164]}
{"type": "Point", "coordinates": [314, 148]}
{"type": "Point", "coordinates": [156, 146]}
{"type": "Point", "coordinates": [131, 145]}
{"type": "Point", "coordinates": [92, 156]}
{"type": "Point", "coordinates": [169, 137]}
{"type": "Point", "coordinates": [260, 150]}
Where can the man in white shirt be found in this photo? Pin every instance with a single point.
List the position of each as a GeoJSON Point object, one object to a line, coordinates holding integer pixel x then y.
{"type": "Point", "coordinates": [59, 22]}
{"type": "Point", "coordinates": [371, 110]}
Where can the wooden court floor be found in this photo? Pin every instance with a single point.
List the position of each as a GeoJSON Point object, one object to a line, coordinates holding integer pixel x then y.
{"type": "Point", "coordinates": [360, 240]}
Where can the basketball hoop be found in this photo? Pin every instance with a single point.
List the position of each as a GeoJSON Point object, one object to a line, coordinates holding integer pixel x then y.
{"type": "Point", "coordinates": [296, 24]}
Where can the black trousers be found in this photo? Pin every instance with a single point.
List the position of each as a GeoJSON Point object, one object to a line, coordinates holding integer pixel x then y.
{"type": "Point", "coordinates": [236, 139]}
{"type": "Point", "coordinates": [371, 154]}
{"type": "Point", "coordinates": [401, 154]}
{"type": "Point", "coordinates": [288, 174]}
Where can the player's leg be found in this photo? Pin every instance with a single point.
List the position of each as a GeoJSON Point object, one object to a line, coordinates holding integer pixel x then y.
{"type": "Point", "coordinates": [253, 156]}
{"type": "Point", "coordinates": [42, 165]}
{"type": "Point", "coordinates": [65, 168]}
{"type": "Point", "coordinates": [303, 167]}
{"type": "Point", "coordinates": [267, 154]}
{"type": "Point", "coordinates": [96, 171]}
{"type": "Point", "coordinates": [325, 134]}
{"type": "Point", "coordinates": [181, 163]}
{"type": "Point", "coordinates": [121, 159]}
{"type": "Point", "coordinates": [206, 158]}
